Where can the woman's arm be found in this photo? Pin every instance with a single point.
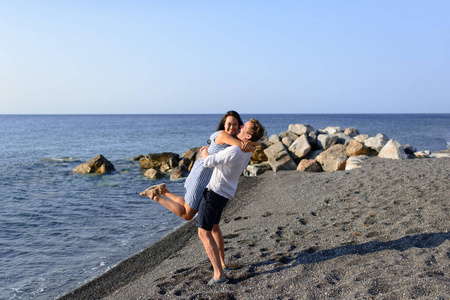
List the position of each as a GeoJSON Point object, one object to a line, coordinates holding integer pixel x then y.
{"type": "Point", "coordinates": [225, 138]}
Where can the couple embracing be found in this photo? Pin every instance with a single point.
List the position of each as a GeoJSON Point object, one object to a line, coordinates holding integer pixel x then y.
{"type": "Point", "coordinates": [212, 183]}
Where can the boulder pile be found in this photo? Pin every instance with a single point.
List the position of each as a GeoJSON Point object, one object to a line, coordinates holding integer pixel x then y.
{"type": "Point", "coordinates": [331, 149]}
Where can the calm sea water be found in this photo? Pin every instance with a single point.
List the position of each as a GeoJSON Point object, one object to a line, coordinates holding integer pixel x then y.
{"type": "Point", "coordinates": [59, 229]}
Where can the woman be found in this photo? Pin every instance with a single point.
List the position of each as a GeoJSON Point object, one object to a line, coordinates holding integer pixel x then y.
{"type": "Point", "coordinates": [199, 176]}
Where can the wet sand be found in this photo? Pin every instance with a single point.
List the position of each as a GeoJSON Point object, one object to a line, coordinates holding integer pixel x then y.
{"type": "Point", "coordinates": [381, 232]}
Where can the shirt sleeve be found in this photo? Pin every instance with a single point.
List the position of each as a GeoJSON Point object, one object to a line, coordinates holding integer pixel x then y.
{"type": "Point", "coordinates": [220, 158]}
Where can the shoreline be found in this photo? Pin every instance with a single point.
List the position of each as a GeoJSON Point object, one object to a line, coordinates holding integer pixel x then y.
{"type": "Point", "coordinates": [381, 230]}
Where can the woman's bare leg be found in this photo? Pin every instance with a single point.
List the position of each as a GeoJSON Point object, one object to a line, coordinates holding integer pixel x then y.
{"type": "Point", "coordinates": [175, 198]}
{"type": "Point", "coordinates": [217, 235]}
{"type": "Point", "coordinates": [184, 211]}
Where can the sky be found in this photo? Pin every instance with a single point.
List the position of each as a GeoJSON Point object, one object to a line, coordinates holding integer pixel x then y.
{"type": "Point", "coordinates": [174, 57]}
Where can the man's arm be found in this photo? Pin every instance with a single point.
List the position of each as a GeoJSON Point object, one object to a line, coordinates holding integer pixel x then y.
{"type": "Point", "coordinates": [219, 158]}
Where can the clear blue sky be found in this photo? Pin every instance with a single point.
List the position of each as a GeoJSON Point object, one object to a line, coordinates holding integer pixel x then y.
{"type": "Point", "coordinates": [212, 56]}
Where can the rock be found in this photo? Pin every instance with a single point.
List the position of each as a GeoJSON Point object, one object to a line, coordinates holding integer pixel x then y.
{"type": "Point", "coordinates": [136, 158]}
{"type": "Point", "coordinates": [312, 138]}
{"type": "Point", "coordinates": [343, 139]}
{"type": "Point", "coordinates": [193, 154]}
{"type": "Point", "coordinates": [287, 141]}
{"type": "Point", "coordinates": [279, 158]}
{"type": "Point", "coordinates": [289, 134]}
{"type": "Point", "coordinates": [355, 162]}
{"type": "Point", "coordinates": [331, 130]}
{"type": "Point", "coordinates": [165, 161]}
{"type": "Point", "coordinates": [300, 147]}
{"type": "Point", "coordinates": [184, 161]}
{"type": "Point", "coordinates": [179, 172]}
{"type": "Point", "coordinates": [97, 165]}
{"type": "Point", "coordinates": [376, 143]}
{"type": "Point", "coordinates": [257, 169]}
{"type": "Point", "coordinates": [325, 141]}
{"type": "Point", "coordinates": [258, 155]}
{"type": "Point", "coordinates": [351, 131]}
{"type": "Point", "coordinates": [409, 149]}
{"type": "Point", "coordinates": [313, 154]}
{"type": "Point", "coordinates": [154, 174]}
{"type": "Point", "coordinates": [274, 139]}
{"type": "Point", "coordinates": [356, 148]}
{"type": "Point", "coordinates": [300, 129]}
{"type": "Point", "coordinates": [309, 165]}
{"type": "Point", "coordinates": [422, 154]}
{"type": "Point", "coordinates": [393, 150]}
{"type": "Point", "coordinates": [333, 159]}
{"type": "Point", "coordinates": [361, 137]}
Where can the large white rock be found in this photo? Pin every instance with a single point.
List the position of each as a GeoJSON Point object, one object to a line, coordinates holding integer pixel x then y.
{"type": "Point", "coordinates": [333, 159]}
{"type": "Point", "coordinates": [300, 147]}
{"type": "Point", "coordinates": [376, 143]}
{"type": "Point", "coordinates": [300, 129]}
{"type": "Point", "coordinates": [393, 150]}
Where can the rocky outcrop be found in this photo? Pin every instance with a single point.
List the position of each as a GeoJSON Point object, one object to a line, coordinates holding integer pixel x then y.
{"type": "Point", "coordinates": [97, 165]}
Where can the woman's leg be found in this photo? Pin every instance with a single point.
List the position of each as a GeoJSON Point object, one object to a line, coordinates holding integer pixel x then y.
{"type": "Point", "coordinates": [217, 235]}
{"type": "Point", "coordinates": [184, 211]}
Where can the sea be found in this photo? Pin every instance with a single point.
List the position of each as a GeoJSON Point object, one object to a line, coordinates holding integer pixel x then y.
{"type": "Point", "coordinates": [59, 229]}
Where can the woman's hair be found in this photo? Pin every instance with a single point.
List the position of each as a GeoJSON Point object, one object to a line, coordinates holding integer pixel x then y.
{"type": "Point", "coordinates": [232, 113]}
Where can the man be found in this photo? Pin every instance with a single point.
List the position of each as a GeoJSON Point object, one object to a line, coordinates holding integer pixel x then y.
{"type": "Point", "coordinates": [229, 165]}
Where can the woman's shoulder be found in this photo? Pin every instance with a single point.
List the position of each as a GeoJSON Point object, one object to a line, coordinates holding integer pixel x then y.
{"type": "Point", "coordinates": [215, 134]}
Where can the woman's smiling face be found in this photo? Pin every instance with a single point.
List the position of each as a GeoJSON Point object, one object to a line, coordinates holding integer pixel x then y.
{"type": "Point", "coordinates": [231, 125]}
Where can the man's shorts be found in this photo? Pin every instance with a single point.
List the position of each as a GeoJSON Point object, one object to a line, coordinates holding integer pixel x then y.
{"type": "Point", "coordinates": [210, 209]}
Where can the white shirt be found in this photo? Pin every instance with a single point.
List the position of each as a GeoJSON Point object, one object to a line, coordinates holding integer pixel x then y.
{"type": "Point", "coordinates": [228, 166]}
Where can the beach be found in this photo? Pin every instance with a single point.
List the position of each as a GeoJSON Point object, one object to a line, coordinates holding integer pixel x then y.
{"type": "Point", "coordinates": [380, 231]}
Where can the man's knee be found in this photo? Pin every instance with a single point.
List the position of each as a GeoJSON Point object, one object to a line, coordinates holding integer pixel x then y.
{"type": "Point", "coordinates": [203, 234]}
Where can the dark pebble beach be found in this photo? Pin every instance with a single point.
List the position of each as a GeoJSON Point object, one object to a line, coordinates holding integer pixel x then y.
{"type": "Point", "coordinates": [377, 232]}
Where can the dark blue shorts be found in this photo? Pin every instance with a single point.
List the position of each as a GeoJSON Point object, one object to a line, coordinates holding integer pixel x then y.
{"type": "Point", "coordinates": [210, 209]}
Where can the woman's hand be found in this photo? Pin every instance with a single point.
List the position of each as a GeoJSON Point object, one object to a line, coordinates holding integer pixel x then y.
{"type": "Point", "coordinates": [247, 146]}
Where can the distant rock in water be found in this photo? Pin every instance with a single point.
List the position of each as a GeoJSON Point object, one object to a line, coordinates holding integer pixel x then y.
{"type": "Point", "coordinates": [97, 165]}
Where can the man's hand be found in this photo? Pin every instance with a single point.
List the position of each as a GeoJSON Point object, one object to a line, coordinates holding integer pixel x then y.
{"type": "Point", "coordinates": [204, 152]}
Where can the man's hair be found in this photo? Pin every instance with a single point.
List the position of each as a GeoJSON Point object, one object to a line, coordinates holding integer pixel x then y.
{"type": "Point", "coordinates": [256, 130]}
